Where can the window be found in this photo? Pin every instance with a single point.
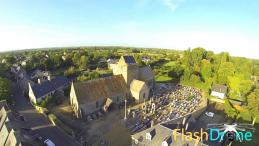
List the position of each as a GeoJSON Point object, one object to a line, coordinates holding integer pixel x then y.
{"type": "Point", "coordinates": [144, 95]}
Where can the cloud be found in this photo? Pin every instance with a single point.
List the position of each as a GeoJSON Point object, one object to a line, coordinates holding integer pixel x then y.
{"type": "Point", "coordinates": [172, 4]}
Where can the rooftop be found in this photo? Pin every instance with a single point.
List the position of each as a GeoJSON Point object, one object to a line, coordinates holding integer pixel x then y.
{"type": "Point", "coordinates": [46, 87]}
{"type": "Point", "coordinates": [219, 88]}
{"type": "Point", "coordinates": [92, 90]}
{"type": "Point", "coordinates": [161, 134]}
{"type": "Point", "coordinates": [136, 85]}
{"type": "Point", "coordinates": [129, 59]}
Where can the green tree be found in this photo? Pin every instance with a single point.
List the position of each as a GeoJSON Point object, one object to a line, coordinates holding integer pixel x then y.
{"type": "Point", "coordinates": [71, 71]}
{"type": "Point", "coordinates": [226, 69]}
{"type": "Point", "coordinates": [197, 55]}
{"type": "Point", "coordinates": [83, 62]}
{"type": "Point", "coordinates": [230, 110]}
{"type": "Point", "coordinates": [176, 72]}
{"type": "Point", "coordinates": [4, 89]}
{"type": "Point", "coordinates": [206, 69]}
{"type": "Point", "coordinates": [234, 86]}
{"type": "Point", "coordinates": [245, 87]}
{"type": "Point", "coordinates": [253, 102]}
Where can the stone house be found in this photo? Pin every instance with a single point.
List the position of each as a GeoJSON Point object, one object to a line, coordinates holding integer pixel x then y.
{"type": "Point", "coordinates": [38, 92]}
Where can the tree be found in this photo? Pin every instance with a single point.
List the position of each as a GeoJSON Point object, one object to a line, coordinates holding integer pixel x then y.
{"type": "Point", "coordinates": [70, 72]}
{"type": "Point", "coordinates": [206, 69]}
{"type": "Point", "coordinates": [226, 69]}
{"type": "Point", "coordinates": [230, 110]}
{"type": "Point", "coordinates": [4, 89]}
{"type": "Point", "coordinates": [234, 85]}
{"type": "Point", "coordinates": [245, 87]}
{"type": "Point", "coordinates": [176, 72]}
{"type": "Point", "coordinates": [197, 55]}
{"type": "Point", "coordinates": [75, 59]}
{"type": "Point", "coordinates": [83, 62]}
{"type": "Point", "coordinates": [253, 102]}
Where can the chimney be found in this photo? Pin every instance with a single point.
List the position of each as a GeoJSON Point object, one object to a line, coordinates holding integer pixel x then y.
{"type": "Point", "coordinates": [151, 123]}
{"type": "Point", "coordinates": [167, 141]}
{"type": "Point", "coordinates": [39, 81]}
{"type": "Point", "coordinates": [150, 135]}
{"type": "Point", "coordinates": [49, 77]}
{"type": "Point", "coordinates": [186, 126]}
{"type": "Point", "coordinates": [184, 120]}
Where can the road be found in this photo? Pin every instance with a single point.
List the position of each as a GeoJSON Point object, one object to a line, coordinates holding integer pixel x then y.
{"type": "Point", "coordinates": [37, 121]}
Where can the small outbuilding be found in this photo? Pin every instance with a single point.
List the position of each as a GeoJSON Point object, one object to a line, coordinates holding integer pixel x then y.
{"type": "Point", "coordinates": [219, 91]}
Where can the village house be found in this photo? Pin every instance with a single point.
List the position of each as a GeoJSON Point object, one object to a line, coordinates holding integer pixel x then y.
{"type": "Point", "coordinates": [112, 63]}
{"type": "Point", "coordinates": [160, 135]}
{"type": "Point", "coordinates": [219, 91]}
{"type": "Point", "coordinates": [44, 88]}
{"type": "Point", "coordinates": [90, 96]}
{"type": "Point", "coordinates": [9, 128]}
{"type": "Point", "coordinates": [22, 78]}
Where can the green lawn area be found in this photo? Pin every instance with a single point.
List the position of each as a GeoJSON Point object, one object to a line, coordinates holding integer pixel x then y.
{"type": "Point", "coordinates": [163, 78]}
{"type": "Point", "coordinates": [171, 63]}
{"type": "Point", "coordinates": [104, 71]}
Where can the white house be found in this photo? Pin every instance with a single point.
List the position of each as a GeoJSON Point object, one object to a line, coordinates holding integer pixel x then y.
{"type": "Point", "coordinates": [219, 91]}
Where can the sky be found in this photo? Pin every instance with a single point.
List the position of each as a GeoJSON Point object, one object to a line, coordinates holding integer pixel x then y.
{"type": "Point", "coordinates": [218, 25]}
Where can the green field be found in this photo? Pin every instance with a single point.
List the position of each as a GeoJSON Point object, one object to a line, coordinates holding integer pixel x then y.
{"type": "Point", "coordinates": [169, 64]}
{"type": "Point", "coordinates": [163, 78]}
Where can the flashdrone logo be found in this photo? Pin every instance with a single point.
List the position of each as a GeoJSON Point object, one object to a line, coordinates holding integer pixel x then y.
{"type": "Point", "coordinates": [218, 133]}
{"type": "Point", "coordinates": [231, 132]}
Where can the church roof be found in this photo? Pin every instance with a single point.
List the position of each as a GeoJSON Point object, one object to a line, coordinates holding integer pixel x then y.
{"type": "Point", "coordinates": [92, 90]}
{"type": "Point", "coordinates": [146, 73]}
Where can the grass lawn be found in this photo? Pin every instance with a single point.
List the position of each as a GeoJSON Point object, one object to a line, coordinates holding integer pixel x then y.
{"type": "Point", "coordinates": [163, 78]}
{"type": "Point", "coordinates": [169, 64]}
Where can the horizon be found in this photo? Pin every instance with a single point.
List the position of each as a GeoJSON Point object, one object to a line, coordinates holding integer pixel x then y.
{"type": "Point", "coordinates": [76, 47]}
{"type": "Point", "coordinates": [218, 26]}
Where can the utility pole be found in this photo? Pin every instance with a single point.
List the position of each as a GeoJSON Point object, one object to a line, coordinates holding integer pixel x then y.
{"type": "Point", "coordinates": [125, 116]}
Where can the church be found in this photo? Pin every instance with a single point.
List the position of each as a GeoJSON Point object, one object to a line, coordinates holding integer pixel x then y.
{"type": "Point", "coordinates": [129, 80]}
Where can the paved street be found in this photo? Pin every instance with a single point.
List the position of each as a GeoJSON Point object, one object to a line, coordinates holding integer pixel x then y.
{"type": "Point", "coordinates": [38, 122]}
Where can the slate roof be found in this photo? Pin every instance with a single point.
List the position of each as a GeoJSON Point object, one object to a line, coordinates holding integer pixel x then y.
{"type": "Point", "coordinates": [146, 73]}
{"type": "Point", "coordinates": [92, 90]}
{"type": "Point", "coordinates": [219, 88]}
{"type": "Point", "coordinates": [42, 89]}
{"type": "Point", "coordinates": [46, 87]}
{"type": "Point", "coordinates": [59, 81]}
{"type": "Point", "coordinates": [129, 59]}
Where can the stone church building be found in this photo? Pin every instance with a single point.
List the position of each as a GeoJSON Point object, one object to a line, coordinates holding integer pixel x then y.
{"type": "Point", "coordinates": [129, 81]}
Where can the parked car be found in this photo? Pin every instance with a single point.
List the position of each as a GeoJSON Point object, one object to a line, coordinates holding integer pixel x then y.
{"type": "Point", "coordinates": [48, 142]}
{"type": "Point", "coordinates": [210, 114]}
